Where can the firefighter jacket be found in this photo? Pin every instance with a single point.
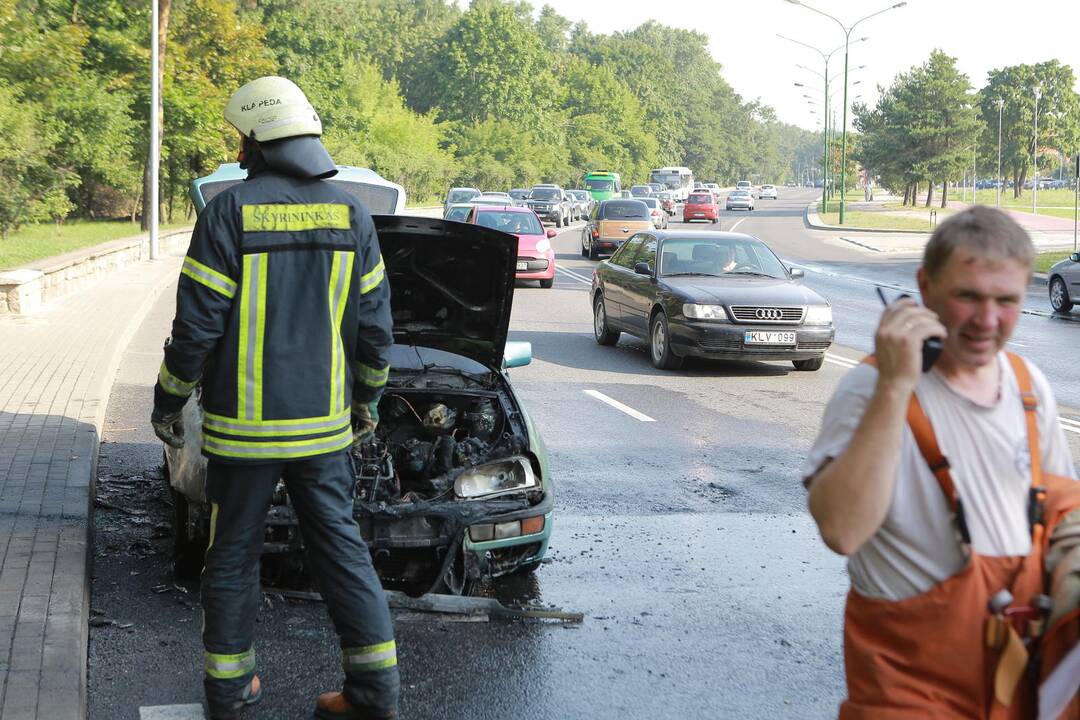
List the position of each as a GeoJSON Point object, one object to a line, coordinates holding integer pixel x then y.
{"type": "Point", "coordinates": [283, 317]}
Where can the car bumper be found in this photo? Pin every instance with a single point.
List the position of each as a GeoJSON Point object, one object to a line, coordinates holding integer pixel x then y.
{"type": "Point", "coordinates": [607, 244]}
{"type": "Point", "coordinates": [739, 206]}
{"type": "Point", "coordinates": [548, 215]}
{"type": "Point", "coordinates": [698, 215]}
{"type": "Point", "coordinates": [536, 268]}
{"type": "Point", "coordinates": [726, 341]}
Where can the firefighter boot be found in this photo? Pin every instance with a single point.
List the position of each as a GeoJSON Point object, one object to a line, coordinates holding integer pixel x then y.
{"type": "Point", "coordinates": [334, 706]}
{"type": "Point", "coordinates": [252, 694]}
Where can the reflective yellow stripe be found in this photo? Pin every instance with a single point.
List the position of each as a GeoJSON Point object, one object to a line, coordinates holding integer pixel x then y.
{"type": "Point", "coordinates": [174, 385]}
{"type": "Point", "coordinates": [249, 358]}
{"type": "Point", "coordinates": [297, 426]}
{"type": "Point", "coordinates": [372, 377]}
{"type": "Point", "coordinates": [227, 667]}
{"type": "Point", "coordinates": [294, 218]}
{"type": "Point", "coordinates": [337, 295]}
{"type": "Point", "coordinates": [369, 657]}
{"type": "Point", "coordinates": [278, 449]}
{"type": "Point", "coordinates": [371, 280]}
{"type": "Point", "coordinates": [209, 277]}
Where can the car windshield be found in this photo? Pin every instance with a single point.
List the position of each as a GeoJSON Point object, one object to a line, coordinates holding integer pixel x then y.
{"type": "Point", "coordinates": [740, 194]}
{"type": "Point", "coordinates": [458, 213]}
{"type": "Point", "coordinates": [456, 196]}
{"type": "Point", "coordinates": [625, 210]}
{"type": "Point", "coordinates": [579, 194]}
{"type": "Point", "coordinates": [708, 256]}
{"type": "Point", "coordinates": [516, 223]}
{"type": "Point", "coordinates": [766, 187]}
{"type": "Point", "coordinates": [544, 194]}
{"type": "Point", "coordinates": [600, 185]}
{"type": "Point", "coordinates": [699, 199]}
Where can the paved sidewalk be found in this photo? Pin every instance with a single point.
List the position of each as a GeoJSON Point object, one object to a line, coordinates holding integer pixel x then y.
{"type": "Point", "coordinates": [56, 372]}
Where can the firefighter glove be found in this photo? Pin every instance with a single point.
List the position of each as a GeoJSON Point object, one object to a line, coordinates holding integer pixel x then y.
{"type": "Point", "coordinates": [365, 418]}
{"type": "Point", "coordinates": [169, 427]}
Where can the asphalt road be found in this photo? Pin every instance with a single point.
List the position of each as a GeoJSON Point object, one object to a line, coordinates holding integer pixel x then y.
{"type": "Point", "coordinates": [682, 536]}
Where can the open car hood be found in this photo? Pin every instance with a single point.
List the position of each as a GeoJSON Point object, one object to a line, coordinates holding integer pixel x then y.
{"type": "Point", "coordinates": [451, 284]}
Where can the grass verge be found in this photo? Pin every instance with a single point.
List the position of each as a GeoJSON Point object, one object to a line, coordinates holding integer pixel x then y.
{"type": "Point", "coordinates": [45, 240]}
{"type": "Point", "coordinates": [1044, 260]}
{"type": "Point", "coordinates": [875, 220]}
{"type": "Point", "coordinates": [1056, 203]}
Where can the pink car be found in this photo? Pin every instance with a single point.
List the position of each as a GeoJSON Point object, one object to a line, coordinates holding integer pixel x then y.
{"type": "Point", "coordinates": [536, 257]}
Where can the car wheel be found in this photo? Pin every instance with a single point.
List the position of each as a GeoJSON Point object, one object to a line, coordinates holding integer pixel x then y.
{"type": "Point", "coordinates": [809, 365]}
{"type": "Point", "coordinates": [558, 221]}
{"type": "Point", "coordinates": [1059, 296]}
{"type": "Point", "coordinates": [604, 334]}
{"type": "Point", "coordinates": [660, 345]}
{"type": "Point", "coordinates": [593, 252]}
{"type": "Point", "coordinates": [584, 250]}
{"type": "Point", "coordinates": [190, 539]}
{"type": "Point", "coordinates": [547, 283]}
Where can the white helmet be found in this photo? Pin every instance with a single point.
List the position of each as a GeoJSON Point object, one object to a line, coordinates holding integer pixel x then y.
{"type": "Point", "coordinates": [272, 108]}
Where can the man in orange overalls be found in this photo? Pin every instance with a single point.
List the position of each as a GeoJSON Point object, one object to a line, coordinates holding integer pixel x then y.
{"type": "Point", "coordinates": [925, 481]}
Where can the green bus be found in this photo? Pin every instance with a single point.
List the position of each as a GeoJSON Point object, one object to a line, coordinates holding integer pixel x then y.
{"type": "Point", "coordinates": [602, 184]}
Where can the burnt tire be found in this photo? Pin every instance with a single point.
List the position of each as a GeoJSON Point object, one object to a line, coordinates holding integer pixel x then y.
{"type": "Point", "coordinates": [809, 365]}
{"type": "Point", "coordinates": [1059, 296]}
{"type": "Point", "coordinates": [660, 352]}
{"type": "Point", "coordinates": [189, 539]}
{"type": "Point", "coordinates": [601, 330]}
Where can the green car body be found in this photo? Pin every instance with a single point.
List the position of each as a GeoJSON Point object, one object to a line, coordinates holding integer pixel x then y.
{"type": "Point", "coordinates": [602, 184]}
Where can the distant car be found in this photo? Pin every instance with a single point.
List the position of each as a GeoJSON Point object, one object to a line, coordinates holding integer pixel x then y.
{"type": "Point", "coordinates": [625, 194]}
{"type": "Point", "coordinates": [551, 203]}
{"type": "Point", "coordinates": [714, 187]}
{"type": "Point", "coordinates": [459, 195]}
{"type": "Point", "coordinates": [496, 194]}
{"type": "Point", "coordinates": [611, 222]}
{"type": "Point", "coordinates": [493, 199]}
{"type": "Point", "coordinates": [657, 187]}
{"type": "Point", "coordinates": [701, 205]}
{"type": "Point", "coordinates": [789, 183]}
{"type": "Point", "coordinates": [582, 203]}
{"type": "Point", "coordinates": [659, 217]}
{"type": "Point", "coordinates": [767, 192]}
{"type": "Point", "coordinates": [640, 191]}
{"type": "Point", "coordinates": [458, 212]}
{"type": "Point", "coordinates": [744, 185]}
{"type": "Point", "coordinates": [1063, 282]}
{"type": "Point", "coordinates": [739, 200]}
{"type": "Point", "coordinates": [520, 195]}
{"type": "Point", "coordinates": [711, 295]}
{"type": "Point", "coordinates": [535, 256]}
{"type": "Point", "coordinates": [667, 201]}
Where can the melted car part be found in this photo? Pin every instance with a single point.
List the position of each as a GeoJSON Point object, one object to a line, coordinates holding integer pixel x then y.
{"type": "Point", "coordinates": [439, 419]}
{"type": "Point", "coordinates": [375, 471]}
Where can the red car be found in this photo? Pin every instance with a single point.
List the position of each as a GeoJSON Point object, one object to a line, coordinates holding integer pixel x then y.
{"type": "Point", "coordinates": [536, 257]}
{"type": "Point", "coordinates": [701, 205]}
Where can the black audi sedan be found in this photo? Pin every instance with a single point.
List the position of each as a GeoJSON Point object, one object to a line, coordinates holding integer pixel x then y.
{"type": "Point", "coordinates": [723, 296]}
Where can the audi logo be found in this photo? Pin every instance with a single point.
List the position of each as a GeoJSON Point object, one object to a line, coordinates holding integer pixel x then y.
{"type": "Point", "coordinates": [768, 314]}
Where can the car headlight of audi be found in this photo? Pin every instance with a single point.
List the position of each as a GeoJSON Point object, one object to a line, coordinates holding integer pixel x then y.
{"type": "Point", "coordinates": [506, 476]}
{"type": "Point", "coordinates": [704, 312]}
{"type": "Point", "coordinates": [818, 315]}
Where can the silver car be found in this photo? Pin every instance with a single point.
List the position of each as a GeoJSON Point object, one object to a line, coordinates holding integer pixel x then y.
{"type": "Point", "coordinates": [1064, 280]}
{"type": "Point", "coordinates": [739, 200]}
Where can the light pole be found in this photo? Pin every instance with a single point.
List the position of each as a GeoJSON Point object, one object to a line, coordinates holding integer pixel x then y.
{"type": "Point", "coordinates": [151, 201]}
{"type": "Point", "coordinates": [843, 129]}
{"type": "Point", "coordinates": [1035, 185]}
{"type": "Point", "coordinates": [1000, 105]}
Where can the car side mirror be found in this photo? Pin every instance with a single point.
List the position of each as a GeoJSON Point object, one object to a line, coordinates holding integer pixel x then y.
{"type": "Point", "coordinates": [551, 233]}
{"type": "Point", "coordinates": [517, 354]}
{"type": "Point", "coordinates": [797, 273]}
{"type": "Point", "coordinates": [1075, 257]}
{"type": "Point", "coordinates": [642, 268]}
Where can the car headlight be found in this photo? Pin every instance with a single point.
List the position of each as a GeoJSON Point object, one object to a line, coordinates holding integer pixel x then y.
{"type": "Point", "coordinates": [704, 312]}
{"type": "Point", "coordinates": [818, 315]}
{"type": "Point", "coordinates": [505, 476]}
{"type": "Point", "coordinates": [543, 246]}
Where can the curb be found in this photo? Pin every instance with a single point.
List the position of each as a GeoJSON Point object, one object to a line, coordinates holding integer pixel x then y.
{"type": "Point", "coordinates": [813, 221]}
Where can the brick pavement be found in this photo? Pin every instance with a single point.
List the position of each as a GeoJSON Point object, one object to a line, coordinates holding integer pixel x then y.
{"type": "Point", "coordinates": [56, 372]}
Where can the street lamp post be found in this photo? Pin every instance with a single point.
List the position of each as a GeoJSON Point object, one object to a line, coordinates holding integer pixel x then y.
{"type": "Point", "coordinates": [1035, 185]}
{"type": "Point", "coordinates": [1000, 105]}
{"type": "Point", "coordinates": [843, 129]}
{"type": "Point", "coordinates": [150, 203]}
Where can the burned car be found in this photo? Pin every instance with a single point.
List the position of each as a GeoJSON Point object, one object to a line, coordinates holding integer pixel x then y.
{"type": "Point", "coordinates": [455, 485]}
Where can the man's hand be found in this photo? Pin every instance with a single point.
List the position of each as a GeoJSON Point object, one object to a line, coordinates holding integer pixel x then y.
{"type": "Point", "coordinates": [904, 326]}
{"type": "Point", "coordinates": [169, 427]}
{"type": "Point", "coordinates": [365, 418]}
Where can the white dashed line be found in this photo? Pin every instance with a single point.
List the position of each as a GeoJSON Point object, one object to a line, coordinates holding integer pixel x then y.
{"type": "Point", "coordinates": [840, 360]}
{"type": "Point", "coordinates": [172, 712]}
{"type": "Point", "coordinates": [619, 406]}
{"type": "Point", "coordinates": [573, 275]}
{"type": "Point", "coordinates": [1069, 425]}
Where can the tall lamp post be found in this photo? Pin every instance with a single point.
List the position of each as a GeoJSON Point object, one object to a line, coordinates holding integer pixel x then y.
{"type": "Point", "coordinates": [1035, 185]}
{"type": "Point", "coordinates": [1000, 105]}
{"type": "Point", "coordinates": [151, 202]}
{"type": "Point", "coordinates": [847, 42]}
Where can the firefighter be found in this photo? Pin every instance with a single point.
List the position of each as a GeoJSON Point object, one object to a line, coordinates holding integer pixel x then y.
{"type": "Point", "coordinates": [283, 318]}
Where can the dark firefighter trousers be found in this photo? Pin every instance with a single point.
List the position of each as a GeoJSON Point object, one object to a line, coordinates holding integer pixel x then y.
{"type": "Point", "coordinates": [321, 492]}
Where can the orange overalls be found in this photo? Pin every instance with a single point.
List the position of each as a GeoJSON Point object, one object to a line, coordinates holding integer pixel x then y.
{"type": "Point", "coordinates": [942, 654]}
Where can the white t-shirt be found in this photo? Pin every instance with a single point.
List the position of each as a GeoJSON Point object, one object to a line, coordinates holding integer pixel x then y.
{"type": "Point", "coordinates": [987, 448]}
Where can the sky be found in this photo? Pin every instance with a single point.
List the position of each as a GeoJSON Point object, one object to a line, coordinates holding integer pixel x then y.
{"type": "Point", "coordinates": [981, 34]}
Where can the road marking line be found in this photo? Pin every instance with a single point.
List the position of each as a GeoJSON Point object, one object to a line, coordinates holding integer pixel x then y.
{"type": "Point", "coordinates": [1070, 428]}
{"type": "Point", "coordinates": [1017, 344]}
{"type": "Point", "coordinates": [172, 712]}
{"type": "Point", "coordinates": [619, 406]}
{"type": "Point", "coordinates": [844, 365]}
{"type": "Point", "coordinates": [732, 228]}
{"type": "Point", "coordinates": [1069, 421]}
{"type": "Point", "coordinates": [574, 275]}
{"type": "Point", "coordinates": [841, 360]}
